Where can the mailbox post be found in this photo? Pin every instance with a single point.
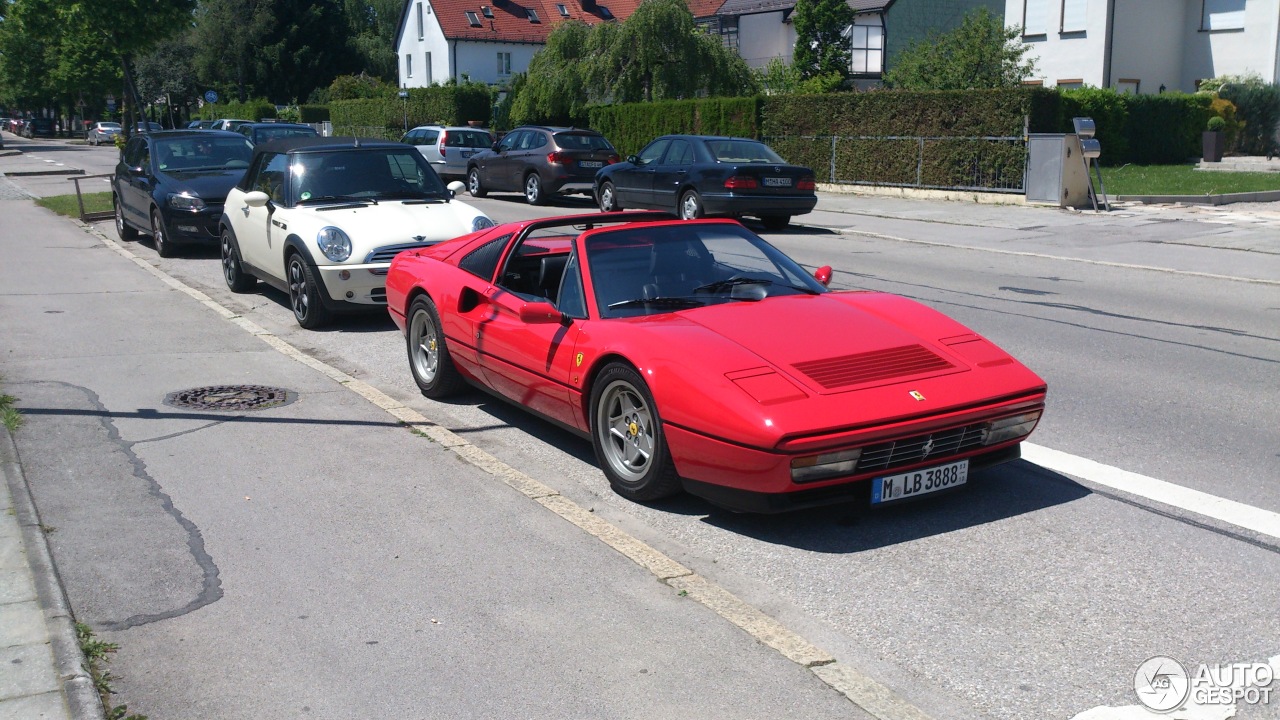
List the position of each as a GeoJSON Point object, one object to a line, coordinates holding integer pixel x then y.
{"type": "Point", "coordinates": [1090, 150]}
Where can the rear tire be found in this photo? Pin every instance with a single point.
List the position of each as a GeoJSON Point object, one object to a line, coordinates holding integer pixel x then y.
{"type": "Point", "coordinates": [626, 432]}
{"type": "Point", "coordinates": [429, 360]}
{"type": "Point", "coordinates": [691, 205]}
{"type": "Point", "coordinates": [123, 229]}
{"type": "Point", "coordinates": [474, 186]}
{"type": "Point", "coordinates": [533, 189]}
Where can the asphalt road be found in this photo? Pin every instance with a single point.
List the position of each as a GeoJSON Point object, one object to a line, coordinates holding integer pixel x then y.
{"type": "Point", "coordinates": [1030, 594]}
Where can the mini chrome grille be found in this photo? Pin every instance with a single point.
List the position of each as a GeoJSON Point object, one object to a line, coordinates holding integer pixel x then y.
{"type": "Point", "coordinates": [378, 295]}
{"type": "Point", "coordinates": [847, 370]}
{"type": "Point", "coordinates": [385, 253]}
{"type": "Point", "coordinates": [934, 446]}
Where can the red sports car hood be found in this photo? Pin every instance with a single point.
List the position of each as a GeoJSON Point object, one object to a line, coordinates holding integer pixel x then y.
{"type": "Point", "coordinates": [839, 342]}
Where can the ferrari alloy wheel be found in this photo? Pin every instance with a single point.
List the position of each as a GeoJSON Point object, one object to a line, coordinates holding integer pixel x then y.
{"type": "Point", "coordinates": [608, 198]}
{"type": "Point", "coordinates": [429, 359]}
{"type": "Point", "coordinates": [473, 183]}
{"type": "Point", "coordinates": [159, 239]}
{"type": "Point", "coordinates": [122, 228]}
{"type": "Point", "coordinates": [237, 279]}
{"type": "Point", "coordinates": [626, 432]}
{"type": "Point", "coordinates": [304, 294]}
{"type": "Point", "coordinates": [533, 189]}
{"type": "Point", "coordinates": [690, 205]}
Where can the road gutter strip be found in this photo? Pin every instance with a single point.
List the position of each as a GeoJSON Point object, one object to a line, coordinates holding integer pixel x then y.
{"type": "Point", "coordinates": [868, 694]}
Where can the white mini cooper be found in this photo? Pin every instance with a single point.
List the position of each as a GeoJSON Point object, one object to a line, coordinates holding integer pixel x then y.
{"type": "Point", "coordinates": [321, 219]}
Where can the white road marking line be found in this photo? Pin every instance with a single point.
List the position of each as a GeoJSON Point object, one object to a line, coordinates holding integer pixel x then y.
{"type": "Point", "coordinates": [873, 697]}
{"type": "Point", "coordinates": [1263, 522]}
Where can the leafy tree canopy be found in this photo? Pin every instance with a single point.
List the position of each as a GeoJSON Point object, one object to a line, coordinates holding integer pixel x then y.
{"type": "Point", "coordinates": [981, 53]}
{"type": "Point", "coordinates": [822, 42]}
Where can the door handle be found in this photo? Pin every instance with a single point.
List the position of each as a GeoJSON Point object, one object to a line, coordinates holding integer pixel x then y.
{"type": "Point", "coordinates": [245, 210]}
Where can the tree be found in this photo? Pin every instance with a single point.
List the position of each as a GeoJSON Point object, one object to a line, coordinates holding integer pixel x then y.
{"type": "Point", "coordinates": [373, 25]}
{"type": "Point", "coordinates": [227, 35]}
{"type": "Point", "coordinates": [554, 90]}
{"type": "Point", "coordinates": [168, 72]}
{"type": "Point", "coordinates": [981, 53]}
{"type": "Point", "coordinates": [305, 49]}
{"type": "Point", "coordinates": [822, 43]}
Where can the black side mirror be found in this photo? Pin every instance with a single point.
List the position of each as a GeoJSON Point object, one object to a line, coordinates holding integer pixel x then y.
{"type": "Point", "coordinates": [633, 159]}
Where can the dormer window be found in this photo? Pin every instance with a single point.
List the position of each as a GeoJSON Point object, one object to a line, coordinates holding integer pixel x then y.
{"type": "Point", "coordinates": [473, 18]}
{"type": "Point", "coordinates": [564, 11]}
{"type": "Point", "coordinates": [487, 11]}
{"type": "Point", "coordinates": [533, 16]}
{"type": "Point", "coordinates": [604, 13]}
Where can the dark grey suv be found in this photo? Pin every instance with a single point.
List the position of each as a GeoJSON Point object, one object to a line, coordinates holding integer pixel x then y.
{"type": "Point", "coordinates": [540, 161]}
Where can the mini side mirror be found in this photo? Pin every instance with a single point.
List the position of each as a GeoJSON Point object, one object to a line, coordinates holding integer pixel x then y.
{"type": "Point", "coordinates": [456, 188]}
{"type": "Point", "coordinates": [539, 313]}
{"type": "Point", "coordinates": [256, 199]}
{"type": "Point", "coordinates": [823, 275]}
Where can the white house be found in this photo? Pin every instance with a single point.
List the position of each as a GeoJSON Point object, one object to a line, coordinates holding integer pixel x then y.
{"type": "Point", "coordinates": [1148, 46]}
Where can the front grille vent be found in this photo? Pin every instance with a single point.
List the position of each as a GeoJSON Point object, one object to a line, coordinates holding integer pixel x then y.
{"type": "Point", "coordinates": [385, 253]}
{"type": "Point", "coordinates": [934, 446]}
{"type": "Point", "coordinates": [873, 366]}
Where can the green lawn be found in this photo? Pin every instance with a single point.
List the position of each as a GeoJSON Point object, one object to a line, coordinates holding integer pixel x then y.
{"type": "Point", "coordinates": [1181, 180]}
{"type": "Point", "coordinates": [67, 205]}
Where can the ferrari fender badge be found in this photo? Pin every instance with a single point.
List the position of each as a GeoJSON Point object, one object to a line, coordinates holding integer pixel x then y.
{"type": "Point", "coordinates": [577, 360]}
{"type": "Point", "coordinates": [917, 395]}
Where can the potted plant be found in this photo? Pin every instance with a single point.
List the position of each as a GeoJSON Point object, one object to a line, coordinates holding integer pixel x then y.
{"type": "Point", "coordinates": [1213, 139]}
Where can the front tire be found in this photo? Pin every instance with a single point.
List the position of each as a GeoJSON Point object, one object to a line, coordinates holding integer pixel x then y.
{"type": "Point", "coordinates": [123, 228]}
{"type": "Point", "coordinates": [691, 205]}
{"type": "Point", "coordinates": [533, 189]}
{"type": "Point", "coordinates": [429, 360]}
{"type": "Point", "coordinates": [304, 294]}
{"type": "Point", "coordinates": [626, 432]}
{"type": "Point", "coordinates": [474, 186]}
{"type": "Point", "coordinates": [159, 238]}
{"type": "Point", "coordinates": [237, 279]}
{"type": "Point", "coordinates": [608, 198]}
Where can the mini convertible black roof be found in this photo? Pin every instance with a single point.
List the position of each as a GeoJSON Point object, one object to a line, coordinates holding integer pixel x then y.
{"type": "Point", "coordinates": [318, 144]}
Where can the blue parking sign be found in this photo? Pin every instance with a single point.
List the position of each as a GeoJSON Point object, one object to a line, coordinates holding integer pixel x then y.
{"type": "Point", "coordinates": [211, 96]}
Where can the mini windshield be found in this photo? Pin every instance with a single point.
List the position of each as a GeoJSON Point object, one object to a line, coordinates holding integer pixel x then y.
{"type": "Point", "coordinates": [194, 153]}
{"type": "Point", "coordinates": [743, 151]}
{"type": "Point", "coordinates": [665, 268]}
{"type": "Point", "coordinates": [364, 174]}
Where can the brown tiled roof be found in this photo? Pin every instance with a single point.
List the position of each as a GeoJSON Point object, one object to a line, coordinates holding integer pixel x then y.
{"type": "Point", "coordinates": [511, 23]}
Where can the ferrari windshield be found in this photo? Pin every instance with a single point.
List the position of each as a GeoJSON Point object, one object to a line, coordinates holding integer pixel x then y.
{"type": "Point", "coordinates": [202, 152]}
{"type": "Point", "coordinates": [650, 269]}
{"type": "Point", "coordinates": [363, 174]}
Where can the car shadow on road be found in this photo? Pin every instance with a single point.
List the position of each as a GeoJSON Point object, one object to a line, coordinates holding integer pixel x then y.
{"type": "Point", "coordinates": [992, 495]}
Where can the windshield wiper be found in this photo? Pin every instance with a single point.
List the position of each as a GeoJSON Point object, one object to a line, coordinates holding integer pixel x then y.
{"type": "Point", "coordinates": [659, 301]}
{"type": "Point", "coordinates": [719, 285]}
{"type": "Point", "coordinates": [339, 199]}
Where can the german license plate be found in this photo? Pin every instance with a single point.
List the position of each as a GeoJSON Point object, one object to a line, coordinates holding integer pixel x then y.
{"type": "Point", "coordinates": [777, 182]}
{"type": "Point", "coordinates": [591, 163]}
{"type": "Point", "coordinates": [468, 153]}
{"type": "Point", "coordinates": [919, 482]}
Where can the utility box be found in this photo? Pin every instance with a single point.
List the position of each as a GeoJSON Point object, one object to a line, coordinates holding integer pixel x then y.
{"type": "Point", "coordinates": [1057, 172]}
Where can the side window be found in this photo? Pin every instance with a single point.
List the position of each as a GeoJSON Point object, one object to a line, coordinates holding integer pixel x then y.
{"type": "Point", "coordinates": [250, 179]}
{"type": "Point", "coordinates": [653, 153]}
{"type": "Point", "coordinates": [429, 137]}
{"type": "Point", "coordinates": [144, 160]}
{"type": "Point", "coordinates": [413, 137]}
{"type": "Point", "coordinates": [483, 261]}
{"type": "Point", "coordinates": [539, 140]}
{"type": "Point", "coordinates": [572, 300]}
{"type": "Point", "coordinates": [681, 153]}
{"type": "Point", "coordinates": [509, 142]}
{"type": "Point", "coordinates": [271, 180]}
{"type": "Point", "coordinates": [133, 153]}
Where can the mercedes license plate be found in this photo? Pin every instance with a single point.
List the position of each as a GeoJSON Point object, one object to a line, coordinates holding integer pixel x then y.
{"type": "Point", "coordinates": [919, 482]}
{"type": "Point", "coordinates": [591, 163]}
{"type": "Point", "coordinates": [777, 182]}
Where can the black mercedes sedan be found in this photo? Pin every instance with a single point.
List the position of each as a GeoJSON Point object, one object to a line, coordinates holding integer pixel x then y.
{"type": "Point", "coordinates": [171, 185]}
{"type": "Point", "coordinates": [697, 175]}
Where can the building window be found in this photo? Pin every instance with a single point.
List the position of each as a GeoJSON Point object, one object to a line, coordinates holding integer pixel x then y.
{"type": "Point", "coordinates": [867, 46]}
{"type": "Point", "coordinates": [1074, 14]}
{"type": "Point", "coordinates": [1035, 17]}
{"type": "Point", "coordinates": [504, 64]}
{"type": "Point", "coordinates": [564, 11]}
{"type": "Point", "coordinates": [473, 18]}
{"type": "Point", "coordinates": [533, 16]}
{"type": "Point", "coordinates": [728, 31]}
{"type": "Point", "coordinates": [426, 73]}
{"type": "Point", "coordinates": [421, 28]}
{"type": "Point", "coordinates": [1070, 83]}
{"type": "Point", "coordinates": [605, 12]}
{"type": "Point", "coordinates": [408, 65]}
{"type": "Point", "coordinates": [1222, 15]}
{"type": "Point", "coordinates": [487, 11]}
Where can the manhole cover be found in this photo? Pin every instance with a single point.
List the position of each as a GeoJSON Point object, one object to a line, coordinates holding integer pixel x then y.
{"type": "Point", "coordinates": [230, 397]}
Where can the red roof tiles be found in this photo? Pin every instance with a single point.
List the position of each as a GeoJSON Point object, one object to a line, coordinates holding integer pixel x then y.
{"type": "Point", "coordinates": [511, 21]}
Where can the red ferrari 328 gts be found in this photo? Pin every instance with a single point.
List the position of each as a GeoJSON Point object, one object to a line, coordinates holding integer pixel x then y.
{"type": "Point", "coordinates": [697, 356]}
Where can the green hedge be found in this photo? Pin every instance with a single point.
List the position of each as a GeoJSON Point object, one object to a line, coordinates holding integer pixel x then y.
{"type": "Point", "coordinates": [313, 113]}
{"type": "Point", "coordinates": [387, 117]}
{"type": "Point", "coordinates": [631, 126]}
{"type": "Point", "coordinates": [252, 110]}
{"type": "Point", "coordinates": [1166, 129]}
{"type": "Point", "coordinates": [938, 113]}
{"type": "Point", "coordinates": [1258, 106]}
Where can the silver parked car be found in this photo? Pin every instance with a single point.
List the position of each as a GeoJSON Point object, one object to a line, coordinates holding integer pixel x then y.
{"type": "Point", "coordinates": [448, 148]}
{"type": "Point", "coordinates": [101, 132]}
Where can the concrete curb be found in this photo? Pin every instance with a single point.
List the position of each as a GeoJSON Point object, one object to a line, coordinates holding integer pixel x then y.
{"type": "Point", "coordinates": [1224, 199]}
{"type": "Point", "coordinates": [69, 661]}
{"type": "Point", "coordinates": [973, 196]}
{"type": "Point", "coordinates": [33, 173]}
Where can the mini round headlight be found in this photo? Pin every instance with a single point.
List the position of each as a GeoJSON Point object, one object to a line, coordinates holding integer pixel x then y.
{"type": "Point", "coordinates": [334, 244]}
{"type": "Point", "coordinates": [480, 222]}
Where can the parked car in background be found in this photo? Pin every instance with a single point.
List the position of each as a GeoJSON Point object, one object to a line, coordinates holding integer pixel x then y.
{"type": "Point", "coordinates": [540, 161]}
{"type": "Point", "coordinates": [145, 127]}
{"type": "Point", "coordinates": [101, 132]}
{"type": "Point", "coordinates": [695, 175]}
{"type": "Point", "coordinates": [226, 124]}
{"type": "Point", "coordinates": [201, 124]}
{"type": "Point", "coordinates": [696, 356]}
{"type": "Point", "coordinates": [172, 184]}
{"type": "Point", "coordinates": [448, 148]}
{"type": "Point", "coordinates": [39, 127]}
{"type": "Point", "coordinates": [321, 218]}
{"type": "Point", "coordinates": [4, 123]}
{"type": "Point", "coordinates": [262, 132]}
